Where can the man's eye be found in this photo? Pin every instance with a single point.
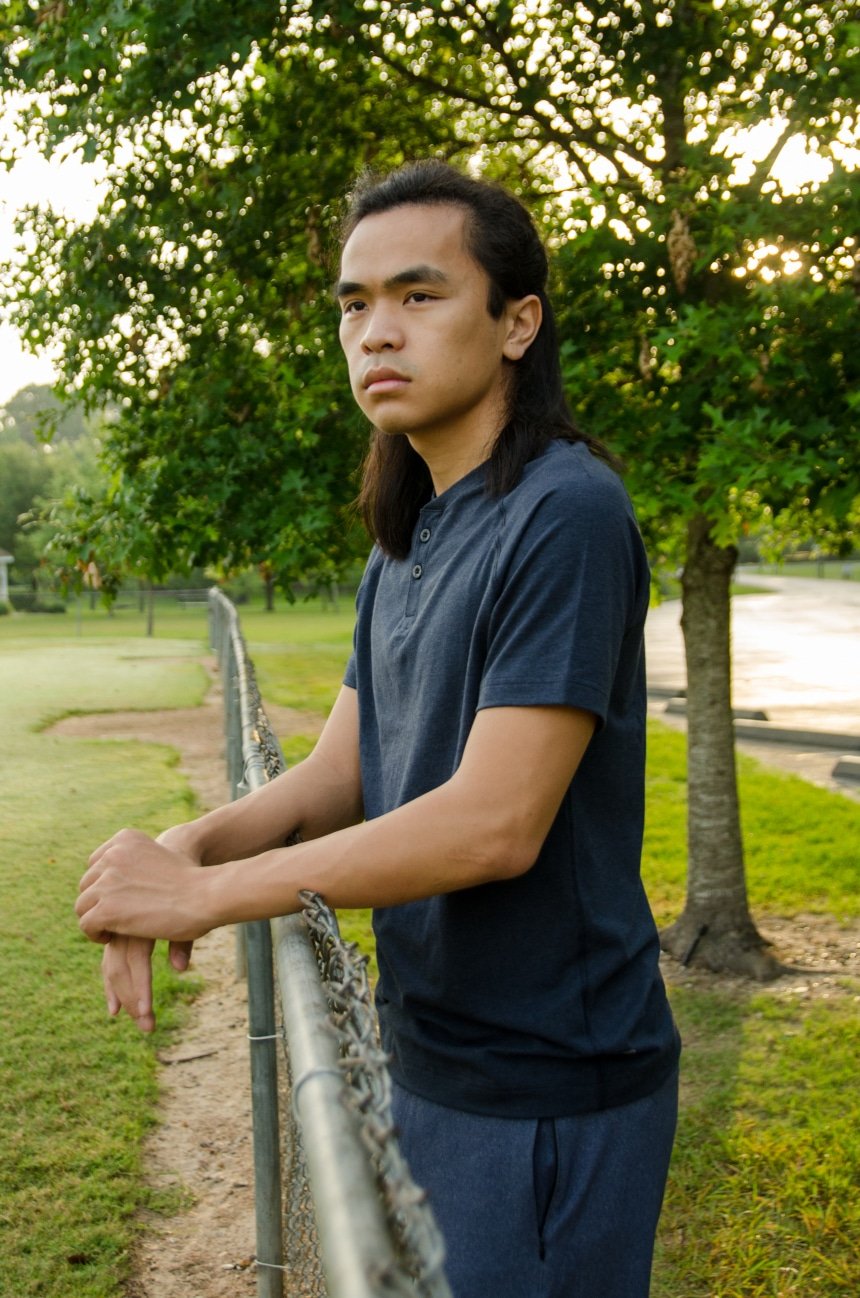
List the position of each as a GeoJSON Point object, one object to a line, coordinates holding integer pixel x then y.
{"type": "Point", "coordinates": [350, 308]}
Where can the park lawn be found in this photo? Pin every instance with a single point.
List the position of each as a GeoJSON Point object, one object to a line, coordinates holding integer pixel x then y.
{"type": "Point", "coordinates": [762, 1194]}
{"type": "Point", "coordinates": [762, 1198]}
{"type": "Point", "coordinates": [801, 842]}
{"type": "Point", "coordinates": [77, 1090]}
{"type": "Point", "coordinates": [125, 621]}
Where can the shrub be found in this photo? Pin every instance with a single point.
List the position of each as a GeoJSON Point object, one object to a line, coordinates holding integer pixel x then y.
{"type": "Point", "coordinates": [34, 601]}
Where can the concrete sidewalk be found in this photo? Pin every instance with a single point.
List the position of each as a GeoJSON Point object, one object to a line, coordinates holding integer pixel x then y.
{"type": "Point", "coordinates": [796, 657]}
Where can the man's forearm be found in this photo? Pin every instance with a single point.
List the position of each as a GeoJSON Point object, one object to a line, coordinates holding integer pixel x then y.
{"type": "Point", "coordinates": [138, 888]}
{"type": "Point", "coordinates": [317, 796]}
{"type": "Point", "coordinates": [306, 800]}
{"type": "Point", "coordinates": [486, 823]}
{"type": "Point", "coordinates": [420, 850]}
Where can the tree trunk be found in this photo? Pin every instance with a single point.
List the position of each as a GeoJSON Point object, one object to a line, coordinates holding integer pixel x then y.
{"type": "Point", "coordinates": [716, 929]}
{"type": "Point", "coordinates": [150, 609]}
{"type": "Point", "coordinates": [268, 586]}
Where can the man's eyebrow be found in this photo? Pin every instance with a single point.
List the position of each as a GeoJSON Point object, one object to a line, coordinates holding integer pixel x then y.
{"type": "Point", "coordinates": [422, 274]}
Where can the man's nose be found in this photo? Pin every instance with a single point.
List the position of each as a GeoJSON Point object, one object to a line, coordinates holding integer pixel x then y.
{"type": "Point", "coordinates": [382, 330]}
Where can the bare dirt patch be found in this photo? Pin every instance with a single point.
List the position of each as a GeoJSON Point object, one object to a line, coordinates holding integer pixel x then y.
{"type": "Point", "coordinates": [201, 1145]}
{"type": "Point", "coordinates": [200, 1148]}
{"type": "Point", "coordinates": [196, 733]}
{"type": "Point", "coordinates": [822, 955]}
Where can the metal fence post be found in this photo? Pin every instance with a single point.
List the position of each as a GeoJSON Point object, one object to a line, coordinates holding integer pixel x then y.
{"type": "Point", "coordinates": [263, 1041]}
{"type": "Point", "coordinates": [356, 1245]}
{"type": "Point", "coordinates": [254, 959]}
{"type": "Point", "coordinates": [374, 1232]}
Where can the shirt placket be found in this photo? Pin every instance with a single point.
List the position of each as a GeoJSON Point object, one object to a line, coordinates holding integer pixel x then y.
{"type": "Point", "coordinates": [428, 522]}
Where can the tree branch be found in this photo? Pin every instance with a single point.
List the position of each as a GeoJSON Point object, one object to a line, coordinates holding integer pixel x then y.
{"type": "Point", "coordinates": [762, 169]}
{"type": "Point", "coordinates": [568, 142]}
{"type": "Point", "coordinates": [533, 88]}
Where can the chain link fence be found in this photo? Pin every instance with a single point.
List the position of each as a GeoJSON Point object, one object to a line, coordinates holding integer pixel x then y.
{"type": "Point", "coordinates": [338, 1214]}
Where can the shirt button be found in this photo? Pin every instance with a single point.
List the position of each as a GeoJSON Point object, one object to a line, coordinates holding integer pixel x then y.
{"type": "Point", "coordinates": [424, 534]}
{"type": "Point", "coordinates": [417, 570]}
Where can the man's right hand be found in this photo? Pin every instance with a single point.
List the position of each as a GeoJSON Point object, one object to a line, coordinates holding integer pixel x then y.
{"type": "Point", "coordinates": [127, 976]}
{"type": "Point", "coordinates": [127, 966]}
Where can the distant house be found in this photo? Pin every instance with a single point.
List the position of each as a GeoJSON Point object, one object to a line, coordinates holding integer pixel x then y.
{"type": "Point", "coordinates": [5, 560]}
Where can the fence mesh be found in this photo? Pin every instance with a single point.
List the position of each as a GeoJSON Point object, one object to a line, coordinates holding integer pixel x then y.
{"type": "Point", "coordinates": [413, 1260]}
{"type": "Point", "coordinates": [303, 1273]}
{"type": "Point", "coordinates": [418, 1243]}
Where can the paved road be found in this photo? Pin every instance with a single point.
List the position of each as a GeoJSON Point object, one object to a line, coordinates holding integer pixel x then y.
{"type": "Point", "coordinates": [796, 656]}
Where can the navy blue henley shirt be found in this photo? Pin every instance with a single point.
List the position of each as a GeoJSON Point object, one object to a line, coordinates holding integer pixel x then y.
{"type": "Point", "coordinates": [538, 996]}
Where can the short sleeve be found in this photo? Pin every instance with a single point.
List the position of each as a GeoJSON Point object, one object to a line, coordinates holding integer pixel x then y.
{"type": "Point", "coordinates": [572, 587]}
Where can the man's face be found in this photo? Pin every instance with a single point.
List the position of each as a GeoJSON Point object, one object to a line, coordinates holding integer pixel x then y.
{"type": "Point", "coordinates": [425, 357]}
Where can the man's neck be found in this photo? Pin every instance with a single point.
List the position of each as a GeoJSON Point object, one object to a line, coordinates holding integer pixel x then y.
{"type": "Point", "coordinates": [445, 470]}
{"type": "Point", "coordinates": [450, 456]}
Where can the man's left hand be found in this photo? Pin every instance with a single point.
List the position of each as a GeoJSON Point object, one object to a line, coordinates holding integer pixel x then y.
{"type": "Point", "coordinates": [136, 887]}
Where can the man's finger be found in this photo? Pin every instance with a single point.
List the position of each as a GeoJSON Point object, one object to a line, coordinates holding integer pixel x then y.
{"type": "Point", "coordinates": [88, 923]}
{"type": "Point", "coordinates": [139, 959]}
{"type": "Point", "coordinates": [127, 975]}
{"type": "Point", "coordinates": [180, 955]}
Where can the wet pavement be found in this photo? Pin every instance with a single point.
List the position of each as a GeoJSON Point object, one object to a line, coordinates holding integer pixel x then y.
{"type": "Point", "coordinates": [796, 657]}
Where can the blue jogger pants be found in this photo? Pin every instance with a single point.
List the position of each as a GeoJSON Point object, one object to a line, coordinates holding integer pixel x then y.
{"type": "Point", "coordinates": [547, 1207]}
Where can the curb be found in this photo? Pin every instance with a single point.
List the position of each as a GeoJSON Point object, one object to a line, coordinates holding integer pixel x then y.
{"type": "Point", "coordinates": [847, 768]}
{"type": "Point", "coordinates": [752, 724]}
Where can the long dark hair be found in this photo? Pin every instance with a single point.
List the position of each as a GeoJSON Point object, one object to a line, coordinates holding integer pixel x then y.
{"type": "Point", "coordinates": [502, 239]}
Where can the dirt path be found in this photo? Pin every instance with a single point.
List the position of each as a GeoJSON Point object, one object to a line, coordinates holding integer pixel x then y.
{"type": "Point", "coordinates": [202, 1142]}
{"type": "Point", "coordinates": [201, 1145]}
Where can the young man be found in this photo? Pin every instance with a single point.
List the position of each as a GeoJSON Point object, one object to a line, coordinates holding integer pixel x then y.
{"type": "Point", "coordinates": [479, 782]}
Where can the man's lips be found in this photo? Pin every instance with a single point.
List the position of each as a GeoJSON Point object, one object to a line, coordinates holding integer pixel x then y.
{"type": "Point", "coordinates": [383, 380]}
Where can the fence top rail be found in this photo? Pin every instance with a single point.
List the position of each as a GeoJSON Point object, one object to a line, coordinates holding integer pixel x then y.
{"type": "Point", "coordinates": [377, 1235]}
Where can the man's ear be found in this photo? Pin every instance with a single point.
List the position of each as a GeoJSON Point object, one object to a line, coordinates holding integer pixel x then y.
{"type": "Point", "coordinates": [523, 318]}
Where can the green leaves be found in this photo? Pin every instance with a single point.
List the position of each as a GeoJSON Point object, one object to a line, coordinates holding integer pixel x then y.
{"type": "Point", "coordinates": [706, 314]}
{"type": "Point", "coordinates": [197, 302]}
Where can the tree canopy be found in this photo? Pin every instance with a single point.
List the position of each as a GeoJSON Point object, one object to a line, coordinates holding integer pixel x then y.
{"type": "Point", "coordinates": [197, 300]}
{"type": "Point", "coordinates": [32, 475]}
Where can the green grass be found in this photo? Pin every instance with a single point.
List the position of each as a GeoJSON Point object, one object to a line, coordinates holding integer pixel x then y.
{"type": "Point", "coordinates": [669, 588]}
{"type": "Point", "coordinates": [762, 1196]}
{"type": "Point", "coordinates": [77, 1090]}
{"type": "Point", "coordinates": [305, 618]}
{"type": "Point", "coordinates": [802, 843]}
{"type": "Point", "coordinates": [303, 667]}
{"type": "Point", "coordinates": [762, 1199]}
{"type": "Point", "coordinates": [825, 569]}
{"type": "Point", "coordinates": [80, 622]}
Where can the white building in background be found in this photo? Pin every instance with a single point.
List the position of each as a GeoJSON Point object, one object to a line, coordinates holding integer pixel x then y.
{"type": "Point", "coordinates": [5, 560]}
